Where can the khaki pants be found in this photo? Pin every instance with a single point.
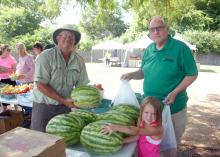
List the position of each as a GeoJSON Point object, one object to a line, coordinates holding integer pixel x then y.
{"type": "Point", "coordinates": [179, 120]}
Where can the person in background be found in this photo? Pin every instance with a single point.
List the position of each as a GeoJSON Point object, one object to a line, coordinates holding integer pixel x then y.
{"type": "Point", "coordinates": [148, 132]}
{"type": "Point", "coordinates": [25, 68]}
{"type": "Point", "coordinates": [107, 58]}
{"type": "Point", "coordinates": [168, 68]}
{"type": "Point", "coordinates": [58, 71]}
{"type": "Point", "coordinates": [7, 67]}
{"type": "Point", "coordinates": [37, 48]}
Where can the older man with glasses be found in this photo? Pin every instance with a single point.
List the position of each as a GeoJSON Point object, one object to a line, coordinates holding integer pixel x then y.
{"type": "Point", "coordinates": [168, 68]}
{"type": "Point", "coordinates": [57, 71]}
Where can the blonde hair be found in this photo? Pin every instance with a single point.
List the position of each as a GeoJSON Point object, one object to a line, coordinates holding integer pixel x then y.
{"type": "Point", "coordinates": [21, 45]}
{"type": "Point", "coordinates": [156, 104]}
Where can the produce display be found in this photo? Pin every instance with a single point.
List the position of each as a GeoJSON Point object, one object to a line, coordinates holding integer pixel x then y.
{"type": "Point", "coordinates": [84, 126]}
{"type": "Point", "coordinates": [87, 116]}
{"type": "Point", "coordinates": [18, 89]}
{"type": "Point", "coordinates": [116, 117]}
{"type": "Point", "coordinates": [14, 76]}
{"type": "Point", "coordinates": [66, 125]}
{"type": "Point", "coordinates": [128, 109]}
{"type": "Point", "coordinates": [86, 97]}
{"type": "Point", "coordinates": [94, 141]}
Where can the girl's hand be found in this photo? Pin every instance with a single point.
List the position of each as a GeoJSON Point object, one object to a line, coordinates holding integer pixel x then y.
{"type": "Point", "coordinates": [107, 129]}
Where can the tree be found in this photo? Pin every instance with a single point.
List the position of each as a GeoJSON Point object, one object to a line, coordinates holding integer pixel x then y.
{"type": "Point", "coordinates": [47, 9]}
{"type": "Point", "coordinates": [99, 27]}
{"type": "Point", "coordinates": [23, 17]}
{"type": "Point", "coordinates": [17, 21]}
{"type": "Point", "coordinates": [211, 8]}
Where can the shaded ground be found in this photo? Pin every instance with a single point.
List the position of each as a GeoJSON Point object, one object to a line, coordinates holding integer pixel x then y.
{"type": "Point", "coordinates": [195, 151]}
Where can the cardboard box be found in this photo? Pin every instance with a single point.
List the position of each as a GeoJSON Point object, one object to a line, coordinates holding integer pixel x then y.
{"type": "Point", "coordinates": [10, 119]}
{"type": "Point", "coordinates": [21, 142]}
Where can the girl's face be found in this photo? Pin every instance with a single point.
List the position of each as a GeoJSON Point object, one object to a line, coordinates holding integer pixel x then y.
{"type": "Point", "coordinates": [149, 114]}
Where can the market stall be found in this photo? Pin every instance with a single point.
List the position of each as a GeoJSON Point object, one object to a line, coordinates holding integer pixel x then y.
{"type": "Point", "coordinates": [134, 51]}
{"type": "Point", "coordinates": [25, 100]}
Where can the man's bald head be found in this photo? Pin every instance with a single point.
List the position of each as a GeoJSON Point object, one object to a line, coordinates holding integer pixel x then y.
{"type": "Point", "coordinates": [158, 31]}
{"type": "Point", "coordinates": [158, 19]}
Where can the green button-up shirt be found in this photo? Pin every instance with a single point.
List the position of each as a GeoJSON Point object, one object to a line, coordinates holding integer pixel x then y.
{"type": "Point", "coordinates": [52, 69]}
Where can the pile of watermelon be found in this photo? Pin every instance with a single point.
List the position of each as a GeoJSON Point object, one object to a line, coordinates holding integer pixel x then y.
{"type": "Point", "coordinates": [94, 141]}
{"type": "Point", "coordinates": [85, 126]}
{"type": "Point", "coordinates": [70, 125]}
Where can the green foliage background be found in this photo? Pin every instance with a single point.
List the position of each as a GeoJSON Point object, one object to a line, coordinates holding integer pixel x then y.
{"type": "Point", "coordinates": [197, 20]}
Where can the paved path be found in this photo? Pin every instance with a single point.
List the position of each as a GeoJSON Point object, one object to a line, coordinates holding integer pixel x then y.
{"type": "Point", "coordinates": [203, 108]}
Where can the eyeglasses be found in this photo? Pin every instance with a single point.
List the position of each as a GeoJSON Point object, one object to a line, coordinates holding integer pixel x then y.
{"type": "Point", "coordinates": [158, 29]}
{"type": "Point", "coordinates": [67, 37]}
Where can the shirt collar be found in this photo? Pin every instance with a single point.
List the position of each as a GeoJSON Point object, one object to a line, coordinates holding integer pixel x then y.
{"type": "Point", "coordinates": [72, 55]}
{"type": "Point", "coordinates": [167, 45]}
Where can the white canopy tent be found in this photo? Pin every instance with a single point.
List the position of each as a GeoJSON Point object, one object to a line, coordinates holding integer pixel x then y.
{"type": "Point", "coordinates": [141, 43]}
{"type": "Point", "coordinates": [109, 45]}
{"type": "Point", "coordinates": [179, 37]}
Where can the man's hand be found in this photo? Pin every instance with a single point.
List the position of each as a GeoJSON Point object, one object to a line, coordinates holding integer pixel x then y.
{"type": "Point", "coordinates": [136, 75]}
{"type": "Point", "coordinates": [69, 103]}
{"type": "Point", "coordinates": [127, 77]}
{"type": "Point", "coordinates": [169, 100]}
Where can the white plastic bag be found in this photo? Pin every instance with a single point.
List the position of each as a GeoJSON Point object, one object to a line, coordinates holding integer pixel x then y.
{"type": "Point", "coordinates": [125, 95]}
{"type": "Point", "coordinates": [169, 137]}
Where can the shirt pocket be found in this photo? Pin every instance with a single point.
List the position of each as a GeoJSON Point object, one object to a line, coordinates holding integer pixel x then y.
{"type": "Point", "coordinates": [170, 65]}
{"type": "Point", "coordinates": [73, 75]}
{"type": "Point", "coordinates": [57, 75]}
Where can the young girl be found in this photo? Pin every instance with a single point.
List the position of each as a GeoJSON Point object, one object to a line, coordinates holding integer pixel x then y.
{"type": "Point", "coordinates": [148, 132]}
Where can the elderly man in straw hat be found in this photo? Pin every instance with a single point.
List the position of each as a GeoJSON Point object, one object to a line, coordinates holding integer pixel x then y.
{"type": "Point", "coordinates": [58, 71]}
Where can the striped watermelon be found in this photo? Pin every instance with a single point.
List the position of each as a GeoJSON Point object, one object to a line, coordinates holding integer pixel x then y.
{"type": "Point", "coordinates": [86, 97]}
{"type": "Point", "coordinates": [116, 117]}
{"type": "Point", "coordinates": [128, 109]}
{"type": "Point", "coordinates": [96, 142]}
{"type": "Point", "coordinates": [66, 126]}
{"type": "Point", "coordinates": [87, 116]}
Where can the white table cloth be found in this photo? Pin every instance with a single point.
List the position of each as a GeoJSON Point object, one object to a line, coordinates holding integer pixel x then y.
{"type": "Point", "coordinates": [126, 151]}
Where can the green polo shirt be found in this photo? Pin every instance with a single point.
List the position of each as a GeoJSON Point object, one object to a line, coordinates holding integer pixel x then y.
{"type": "Point", "coordinates": [51, 69]}
{"type": "Point", "coordinates": [164, 70]}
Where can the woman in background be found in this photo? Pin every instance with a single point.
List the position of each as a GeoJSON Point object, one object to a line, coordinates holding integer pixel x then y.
{"type": "Point", "coordinates": [7, 67]}
{"type": "Point", "coordinates": [37, 48]}
{"type": "Point", "coordinates": [25, 67]}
